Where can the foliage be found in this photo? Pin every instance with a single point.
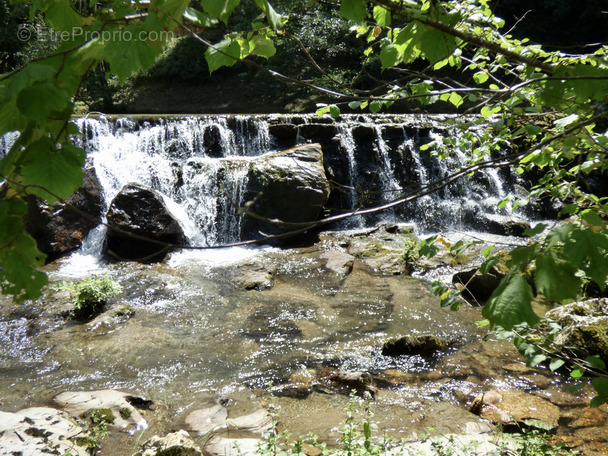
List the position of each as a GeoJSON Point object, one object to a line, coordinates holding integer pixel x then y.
{"type": "Point", "coordinates": [357, 438]}
{"type": "Point", "coordinates": [98, 429]}
{"type": "Point", "coordinates": [91, 294]}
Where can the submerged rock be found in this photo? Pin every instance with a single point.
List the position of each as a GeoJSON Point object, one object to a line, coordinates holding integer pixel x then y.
{"type": "Point", "coordinates": [142, 212]}
{"type": "Point", "coordinates": [514, 407]}
{"type": "Point", "coordinates": [585, 327]}
{"type": "Point", "coordinates": [175, 444]}
{"type": "Point", "coordinates": [415, 345]}
{"type": "Point", "coordinates": [338, 262]}
{"type": "Point", "coordinates": [255, 276]}
{"type": "Point", "coordinates": [40, 431]}
{"type": "Point", "coordinates": [62, 227]}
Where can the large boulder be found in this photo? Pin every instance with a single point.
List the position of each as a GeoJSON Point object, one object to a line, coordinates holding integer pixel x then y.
{"type": "Point", "coordinates": [585, 327]}
{"type": "Point", "coordinates": [61, 228]}
{"type": "Point", "coordinates": [140, 213]}
{"type": "Point", "coordinates": [289, 186]}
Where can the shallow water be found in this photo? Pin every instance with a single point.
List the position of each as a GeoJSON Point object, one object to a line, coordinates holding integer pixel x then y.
{"type": "Point", "coordinates": [195, 336]}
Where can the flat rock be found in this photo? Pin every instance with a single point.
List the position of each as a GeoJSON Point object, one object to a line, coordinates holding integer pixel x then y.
{"type": "Point", "coordinates": [255, 276]}
{"type": "Point", "coordinates": [39, 431]}
{"type": "Point", "coordinates": [175, 444]}
{"type": "Point", "coordinates": [223, 446]}
{"type": "Point", "coordinates": [80, 403]}
{"type": "Point", "coordinates": [338, 262]}
{"type": "Point", "coordinates": [514, 407]}
{"type": "Point", "coordinates": [216, 417]}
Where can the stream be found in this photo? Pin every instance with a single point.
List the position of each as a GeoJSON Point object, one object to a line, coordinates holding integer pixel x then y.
{"type": "Point", "coordinates": [212, 327]}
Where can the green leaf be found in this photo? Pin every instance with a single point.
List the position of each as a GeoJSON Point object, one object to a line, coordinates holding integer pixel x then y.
{"type": "Point", "coordinates": [488, 111]}
{"type": "Point", "coordinates": [263, 47]}
{"type": "Point", "coordinates": [481, 77]}
{"type": "Point", "coordinates": [565, 121]}
{"type": "Point", "coordinates": [225, 53]}
{"type": "Point", "coordinates": [509, 305]}
{"type": "Point", "coordinates": [354, 104]}
{"type": "Point", "coordinates": [375, 106]}
{"type": "Point", "coordinates": [536, 360]}
{"type": "Point", "coordinates": [62, 16]}
{"type": "Point", "coordinates": [588, 250]}
{"type": "Point", "coordinates": [128, 56]}
{"type": "Point", "coordinates": [556, 364]}
{"type": "Point", "coordinates": [389, 56]}
{"type": "Point", "coordinates": [555, 278]}
{"type": "Point", "coordinates": [274, 19]}
{"type": "Point", "coordinates": [173, 10]}
{"type": "Point", "coordinates": [334, 111]}
{"type": "Point", "coordinates": [428, 247]}
{"type": "Point", "coordinates": [436, 45]}
{"type": "Point", "coordinates": [577, 373]}
{"type": "Point", "coordinates": [199, 18]}
{"type": "Point", "coordinates": [487, 265]}
{"type": "Point", "coordinates": [221, 9]}
{"type": "Point", "coordinates": [591, 217]}
{"type": "Point", "coordinates": [486, 252]}
{"type": "Point", "coordinates": [600, 385]}
{"type": "Point", "coordinates": [19, 255]}
{"type": "Point", "coordinates": [539, 228]}
{"type": "Point", "coordinates": [353, 10]}
{"type": "Point", "coordinates": [46, 168]}
{"type": "Point", "coordinates": [382, 16]}
{"type": "Point", "coordinates": [455, 99]}
{"type": "Point", "coordinates": [41, 99]}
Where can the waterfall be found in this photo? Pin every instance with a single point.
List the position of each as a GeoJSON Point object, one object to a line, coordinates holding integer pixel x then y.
{"type": "Point", "coordinates": [372, 159]}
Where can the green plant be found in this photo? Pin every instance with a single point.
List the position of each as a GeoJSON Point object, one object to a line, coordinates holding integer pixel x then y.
{"type": "Point", "coordinates": [411, 251]}
{"type": "Point", "coordinates": [535, 440]}
{"type": "Point", "coordinates": [90, 295]}
{"type": "Point", "coordinates": [98, 429]}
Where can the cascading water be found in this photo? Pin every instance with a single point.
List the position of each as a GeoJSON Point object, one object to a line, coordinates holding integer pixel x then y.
{"type": "Point", "coordinates": [372, 160]}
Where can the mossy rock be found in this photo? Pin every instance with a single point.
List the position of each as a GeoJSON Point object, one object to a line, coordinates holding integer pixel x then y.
{"type": "Point", "coordinates": [585, 327]}
{"type": "Point", "coordinates": [415, 345]}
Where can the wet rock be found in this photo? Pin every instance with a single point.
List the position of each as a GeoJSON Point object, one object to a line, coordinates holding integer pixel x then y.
{"type": "Point", "coordinates": [284, 133]}
{"type": "Point", "coordinates": [585, 327]}
{"type": "Point", "coordinates": [61, 228]}
{"type": "Point", "coordinates": [255, 276]}
{"type": "Point", "coordinates": [80, 404]}
{"type": "Point", "coordinates": [338, 262]}
{"type": "Point", "coordinates": [142, 212]}
{"type": "Point", "coordinates": [382, 248]}
{"type": "Point", "coordinates": [318, 132]}
{"type": "Point", "coordinates": [215, 418]}
{"type": "Point", "coordinates": [222, 446]}
{"type": "Point", "coordinates": [274, 320]}
{"type": "Point", "coordinates": [514, 407]}
{"type": "Point", "coordinates": [289, 186]}
{"type": "Point", "coordinates": [175, 444]}
{"type": "Point", "coordinates": [501, 225]}
{"type": "Point", "coordinates": [475, 287]}
{"type": "Point", "coordinates": [424, 345]}
{"type": "Point", "coordinates": [40, 431]}
{"type": "Point", "coordinates": [346, 382]}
